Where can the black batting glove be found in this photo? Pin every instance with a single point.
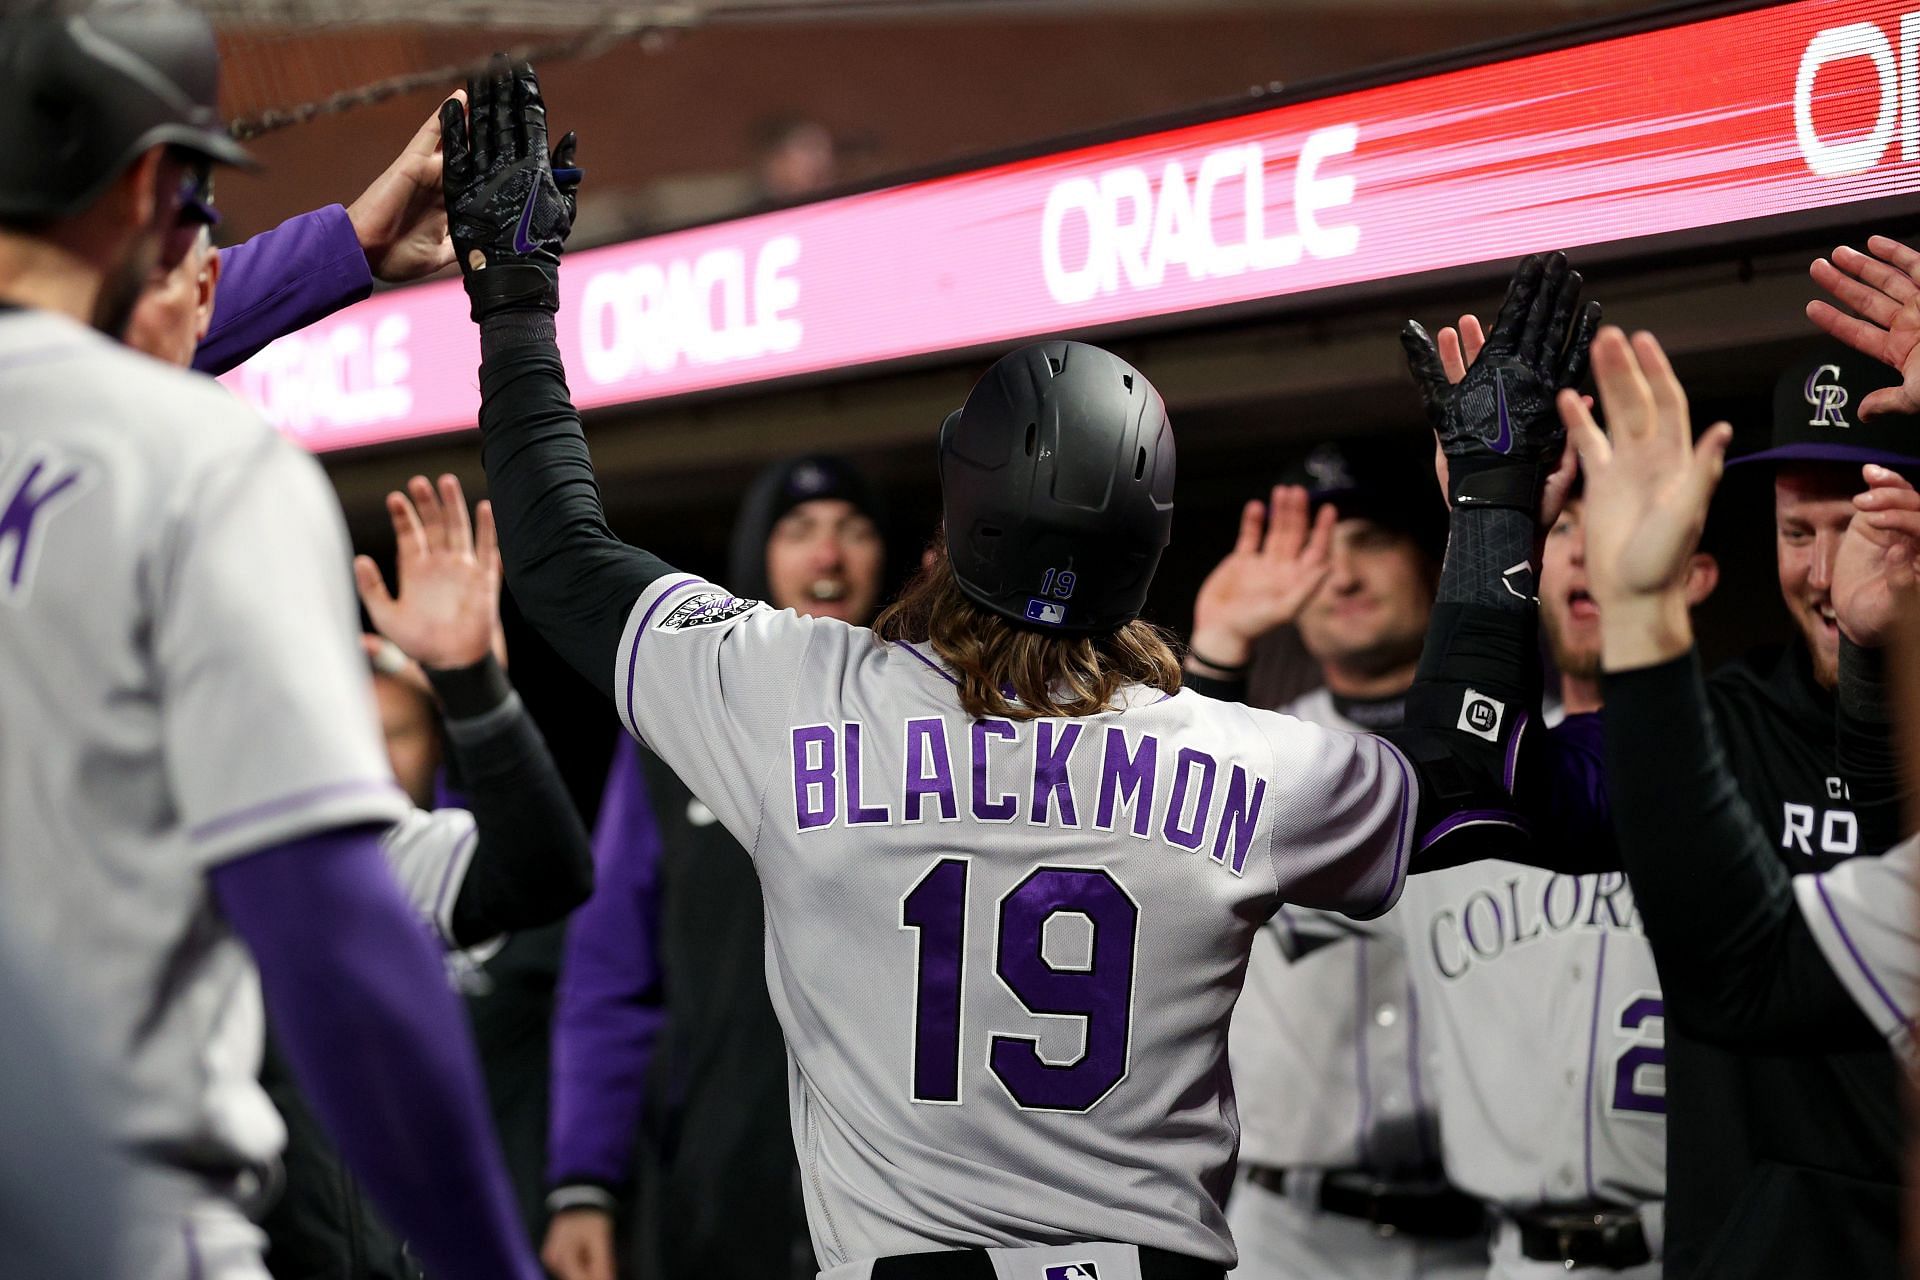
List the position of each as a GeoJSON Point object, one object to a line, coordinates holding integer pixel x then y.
{"type": "Point", "coordinates": [1498, 426]}
{"type": "Point", "coordinates": [510, 203]}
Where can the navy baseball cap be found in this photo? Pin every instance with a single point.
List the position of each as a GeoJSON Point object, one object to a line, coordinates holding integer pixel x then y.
{"type": "Point", "coordinates": [1375, 481]}
{"type": "Point", "coordinates": [1816, 413]}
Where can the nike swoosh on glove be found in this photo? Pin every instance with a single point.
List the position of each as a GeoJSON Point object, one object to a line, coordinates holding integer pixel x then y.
{"type": "Point", "coordinates": [510, 203]}
{"type": "Point", "coordinates": [1501, 417]}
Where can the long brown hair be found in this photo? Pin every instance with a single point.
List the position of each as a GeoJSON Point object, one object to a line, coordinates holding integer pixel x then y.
{"type": "Point", "coordinates": [1016, 673]}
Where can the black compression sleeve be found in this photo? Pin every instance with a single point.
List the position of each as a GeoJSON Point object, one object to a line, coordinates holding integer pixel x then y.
{"type": "Point", "coordinates": [571, 577]}
{"type": "Point", "coordinates": [1864, 746]}
{"type": "Point", "coordinates": [532, 863]}
{"type": "Point", "coordinates": [1224, 688]}
{"type": "Point", "coordinates": [1738, 966]}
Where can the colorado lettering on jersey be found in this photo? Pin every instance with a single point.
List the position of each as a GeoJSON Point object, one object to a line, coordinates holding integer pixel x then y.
{"type": "Point", "coordinates": [1835, 831]}
{"type": "Point", "coordinates": [32, 487]}
{"type": "Point", "coordinates": [1493, 920]}
{"type": "Point", "coordinates": [1019, 772]}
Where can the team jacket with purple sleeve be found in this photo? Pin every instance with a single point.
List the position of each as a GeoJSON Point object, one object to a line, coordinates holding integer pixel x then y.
{"type": "Point", "coordinates": [281, 281]}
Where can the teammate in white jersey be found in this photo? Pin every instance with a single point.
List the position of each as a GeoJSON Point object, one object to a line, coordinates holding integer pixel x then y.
{"type": "Point", "coordinates": [1340, 1141]}
{"type": "Point", "coordinates": [1011, 872]}
{"type": "Point", "coordinates": [190, 782]}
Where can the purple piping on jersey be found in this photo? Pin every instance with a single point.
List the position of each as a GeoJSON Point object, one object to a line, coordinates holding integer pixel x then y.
{"type": "Point", "coordinates": [446, 878]}
{"type": "Point", "coordinates": [1162, 698]}
{"type": "Point", "coordinates": [1593, 1044]}
{"type": "Point", "coordinates": [1400, 833]}
{"type": "Point", "coordinates": [1472, 818]}
{"type": "Point", "coordinates": [1421, 1120]}
{"type": "Point", "coordinates": [932, 666]}
{"type": "Point", "coordinates": [1513, 752]}
{"type": "Point", "coordinates": [1361, 1006]}
{"type": "Point", "coordinates": [1820, 884]}
{"type": "Point", "coordinates": [285, 804]}
{"type": "Point", "coordinates": [1293, 934]}
{"type": "Point", "coordinates": [633, 657]}
{"type": "Point", "coordinates": [194, 1270]}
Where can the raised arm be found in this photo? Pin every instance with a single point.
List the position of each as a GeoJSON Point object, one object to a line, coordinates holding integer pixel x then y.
{"type": "Point", "coordinates": [509, 217]}
{"type": "Point", "coordinates": [1477, 691]}
{"type": "Point", "coordinates": [530, 864]}
{"type": "Point", "coordinates": [1737, 963]}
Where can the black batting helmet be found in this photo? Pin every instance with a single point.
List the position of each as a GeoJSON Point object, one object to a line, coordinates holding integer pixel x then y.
{"type": "Point", "coordinates": [1057, 479]}
{"type": "Point", "coordinates": [86, 89]}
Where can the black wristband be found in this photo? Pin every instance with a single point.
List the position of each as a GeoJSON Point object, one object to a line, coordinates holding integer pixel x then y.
{"type": "Point", "coordinates": [1225, 668]}
{"type": "Point", "coordinates": [467, 693]}
{"type": "Point", "coordinates": [1863, 694]}
{"type": "Point", "coordinates": [512, 286]}
{"type": "Point", "coordinates": [1499, 484]}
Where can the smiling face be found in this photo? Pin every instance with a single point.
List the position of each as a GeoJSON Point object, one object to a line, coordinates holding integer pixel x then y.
{"type": "Point", "coordinates": [1812, 506]}
{"type": "Point", "coordinates": [824, 558]}
{"type": "Point", "coordinates": [1371, 615]}
{"type": "Point", "coordinates": [1567, 611]}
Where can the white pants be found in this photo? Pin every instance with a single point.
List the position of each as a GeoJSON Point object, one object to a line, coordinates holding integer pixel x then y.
{"type": "Point", "coordinates": [214, 1241]}
{"type": "Point", "coordinates": [1509, 1263]}
{"type": "Point", "coordinates": [1280, 1239]}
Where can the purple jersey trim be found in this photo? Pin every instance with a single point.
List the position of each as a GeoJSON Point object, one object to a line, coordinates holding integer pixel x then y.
{"type": "Point", "coordinates": [1360, 1032]}
{"type": "Point", "coordinates": [1472, 818]}
{"type": "Point", "coordinates": [633, 655]}
{"type": "Point", "coordinates": [1401, 835]}
{"type": "Point", "coordinates": [932, 666]}
{"type": "Point", "coordinates": [285, 804]}
{"type": "Point", "coordinates": [195, 1271]}
{"type": "Point", "coordinates": [1513, 751]}
{"type": "Point", "coordinates": [440, 903]}
{"type": "Point", "coordinates": [1820, 886]}
{"type": "Point", "coordinates": [1593, 1046]}
{"type": "Point", "coordinates": [1421, 1118]}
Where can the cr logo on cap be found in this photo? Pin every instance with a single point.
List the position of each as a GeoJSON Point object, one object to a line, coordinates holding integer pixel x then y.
{"type": "Point", "coordinates": [1827, 398]}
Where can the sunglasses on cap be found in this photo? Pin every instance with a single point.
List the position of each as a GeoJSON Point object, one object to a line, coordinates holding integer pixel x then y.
{"type": "Point", "coordinates": [193, 210]}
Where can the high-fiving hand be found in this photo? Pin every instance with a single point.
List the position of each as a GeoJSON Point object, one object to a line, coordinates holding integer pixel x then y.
{"type": "Point", "coordinates": [1876, 573]}
{"type": "Point", "coordinates": [1498, 419]}
{"type": "Point", "coordinates": [1648, 485]}
{"type": "Point", "coordinates": [1885, 289]}
{"type": "Point", "coordinates": [510, 203]}
{"type": "Point", "coordinates": [1277, 563]}
{"type": "Point", "coordinates": [446, 613]}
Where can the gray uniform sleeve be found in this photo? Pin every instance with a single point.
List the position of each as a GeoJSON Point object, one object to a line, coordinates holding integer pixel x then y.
{"type": "Point", "coordinates": [1343, 824]}
{"type": "Point", "coordinates": [1865, 916]}
{"type": "Point", "coordinates": [269, 723]}
{"type": "Point", "coordinates": [429, 853]}
{"type": "Point", "coordinates": [707, 681]}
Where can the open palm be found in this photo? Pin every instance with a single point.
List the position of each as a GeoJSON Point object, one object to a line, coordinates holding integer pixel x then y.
{"type": "Point", "coordinates": [1875, 574]}
{"type": "Point", "coordinates": [446, 612]}
{"type": "Point", "coordinates": [1278, 561]}
{"type": "Point", "coordinates": [1647, 483]}
{"type": "Point", "coordinates": [1883, 287]}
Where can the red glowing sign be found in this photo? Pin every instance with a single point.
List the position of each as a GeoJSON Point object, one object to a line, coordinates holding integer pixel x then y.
{"type": "Point", "coordinates": [1771, 111]}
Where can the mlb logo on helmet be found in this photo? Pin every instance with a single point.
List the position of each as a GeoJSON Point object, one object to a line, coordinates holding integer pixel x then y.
{"type": "Point", "coordinates": [1073, 1271]}
{"type": "Point", "coordinates": [1828, 396]}
{"type": "Point", "coordinates": [1046, 611]}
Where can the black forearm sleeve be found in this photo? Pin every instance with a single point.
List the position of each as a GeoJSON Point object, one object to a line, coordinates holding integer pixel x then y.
{"type": "Point", "coordinates": [1474, 701]}
{"type": "Point", "coordinates": [1738, 966]}
{"type": "Point", "coordinates": [1864, 746]}
{"type": "Point", "coordinates": [1223, 688]}
{"type": "Point", "coordinates": [571, 577]}
{"type": "Point", "coordinates": [532, 863]}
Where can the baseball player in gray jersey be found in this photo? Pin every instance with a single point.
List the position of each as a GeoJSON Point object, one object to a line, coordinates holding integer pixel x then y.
{"type": "Point", "coordinates": [190, 782]}
{"type": "Point", "coordinates": [1012, 873]}
{"type": "Point", "coordinates": [1340, 1143]}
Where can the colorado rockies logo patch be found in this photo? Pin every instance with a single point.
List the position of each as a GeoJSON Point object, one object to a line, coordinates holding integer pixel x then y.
{"type": "Point", "coordinates": [704, 609]}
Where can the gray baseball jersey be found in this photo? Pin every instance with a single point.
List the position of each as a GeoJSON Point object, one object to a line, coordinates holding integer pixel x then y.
{"type": "Point", "coordinates": [1541, 1008]}
{"type": "Point", "coordinates": [180, 684]}
{"type": "Point", "coordinates": [1004, 953]}
{"type": "Point", "coordinates": [1326, 1048]}
{"type": "Point", "coordinates": [1865, 914]}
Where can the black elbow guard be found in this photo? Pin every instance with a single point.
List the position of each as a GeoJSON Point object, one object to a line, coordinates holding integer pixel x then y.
{"type": "Point", "coordinates": [1469, 717]}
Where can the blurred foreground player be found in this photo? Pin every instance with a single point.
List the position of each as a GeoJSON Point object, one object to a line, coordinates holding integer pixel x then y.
{"type": "Point", "coordinates": [669, 1067]}
{"type": "Point", "coordinates": [190, 771]}
{"type": "Point", "coordinates": [1007, 1029]}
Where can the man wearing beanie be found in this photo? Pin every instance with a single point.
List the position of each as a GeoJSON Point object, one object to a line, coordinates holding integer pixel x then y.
{"type": "Point", "coordinates": [664, 1026]}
